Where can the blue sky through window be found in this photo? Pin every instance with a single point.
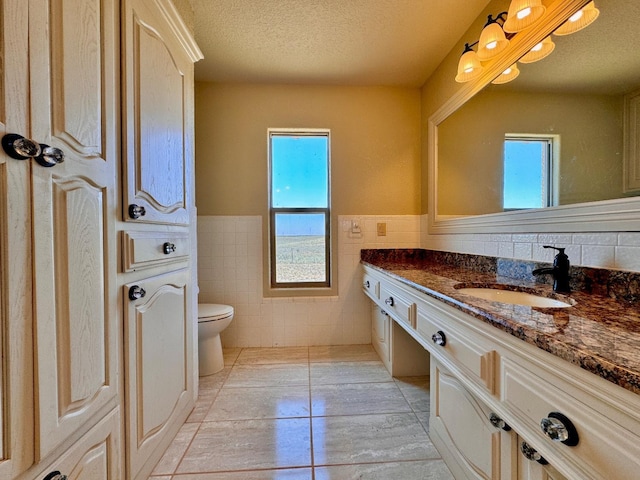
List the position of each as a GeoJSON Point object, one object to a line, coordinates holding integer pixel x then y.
{"type": "Point", "coordinates": [524, 173]}
{"type": "Point", "coordinates": [299, 171]}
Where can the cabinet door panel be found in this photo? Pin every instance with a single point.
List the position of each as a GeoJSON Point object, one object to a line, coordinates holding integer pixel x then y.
{"type": "Point", "coordinates": [96, 456]}
{"type": "Point", "coordinates": [73, 108]}
{"type": "Point", "coordinates": [479, 450]}
{"type": "Point", "coordinates": [157, 75]}
{"type": "Point", "coordinates": [16, 367]}
{"type": "Point", "coordinates": [159, 356]}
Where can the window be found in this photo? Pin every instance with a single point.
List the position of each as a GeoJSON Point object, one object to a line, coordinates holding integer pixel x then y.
{"type": "Point", "coordinates": [529, 178]}
{"type": "Point", "coordinates": [299, 208]}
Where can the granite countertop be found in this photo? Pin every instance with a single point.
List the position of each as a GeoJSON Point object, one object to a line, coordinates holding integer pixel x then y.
{"type": "Point", "coordinates": [600, 333]}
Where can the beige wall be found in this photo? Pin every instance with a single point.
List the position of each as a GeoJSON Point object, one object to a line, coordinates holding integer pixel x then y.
{"type": "Point", "coordinates": [589, 128]}
{"type": "Point", "coordinates": [375, 145]}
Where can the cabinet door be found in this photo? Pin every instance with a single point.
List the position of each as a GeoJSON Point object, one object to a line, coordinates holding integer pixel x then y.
{"type": "Point", "coordinates": [16, 367]}
{"type": "Point", "coordinates": [96, 456]}
{"type": "Point", "coordinates": [73, 107]}
{"type": "Point", "coordinates": [158, 106]}
{"type": "Point", "coordinates": [532, 470]}
{"type": "Point", "coordinates": [380, 333]}
{"type": "Point", "coordinates": [460, 428]}
{"type": "Point", "coordinates": [159, 351]}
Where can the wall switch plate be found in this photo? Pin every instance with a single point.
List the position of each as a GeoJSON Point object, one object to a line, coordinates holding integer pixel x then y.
{"type": "Point", "coordinates": [382, 229]}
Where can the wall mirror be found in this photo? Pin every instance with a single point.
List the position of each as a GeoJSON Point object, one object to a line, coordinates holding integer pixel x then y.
{"type": "Point", "coordinates": [577, 106]}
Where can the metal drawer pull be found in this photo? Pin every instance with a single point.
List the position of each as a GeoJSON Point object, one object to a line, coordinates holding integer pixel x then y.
{"type": "Point", "coordinates": [389, 301]}
{"type": "Point", "coordinates": [168, 248]}
{"type": "Point", "coordinates": [439, 338]}
{"type": "Point", "coordinates": [498, 422]}
{"type": "Point", "coordinates": [560, 429]}
{"type": "Point", "coordinates": [136, 211]}
{"type": "Point", "coordinates": [55, 476]}
{"type": "Point", "coordinates": [136, 292]}
{"type": "Point", "coordinates": [532, 454]}
{"type": "Point", "coordinates": [366, 284]}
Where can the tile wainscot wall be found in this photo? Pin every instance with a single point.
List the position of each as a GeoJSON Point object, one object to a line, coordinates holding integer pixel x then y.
{"type": "Point", "coordinates": [230, 271]}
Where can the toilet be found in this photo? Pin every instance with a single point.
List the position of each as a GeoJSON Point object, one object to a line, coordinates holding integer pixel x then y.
{"type": "Point", "coordinates": [212, 319]}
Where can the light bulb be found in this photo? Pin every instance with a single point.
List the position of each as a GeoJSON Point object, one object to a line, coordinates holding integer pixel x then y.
{"type": "Point", "coordinates": [491, 45]}
{"type": "Point", "coordinates": [537, 48]}
{"type": "Point", "coordinates": [525, 12]}
{"type": "Point", "coordinates": [576, 16]}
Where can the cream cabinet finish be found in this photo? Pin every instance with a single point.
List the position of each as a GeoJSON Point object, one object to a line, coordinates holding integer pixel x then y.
{"type": "Point", "coordinates": [59, 334]}
{"type": "Point", "coordinates": [16, 322]}
{"type": "Point", "coordinates": [381, 334]}
{"type": "Point", "coordinates": [159, 343]}
{"type": "Point", "coordinates": [62, 378]}
{"type": "Point", "coordinates": [474, 448]}
{"type": "Point", "coordinates": [158, 109]}
{"type": "Point", "coordinates": [160, 335]}
{"type": "Point", "coordinates": [481, 370]}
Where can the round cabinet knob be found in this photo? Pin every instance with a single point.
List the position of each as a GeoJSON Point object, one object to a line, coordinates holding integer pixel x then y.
{"type": "Point", "coordinates": [19, 147]}
{"type": "Point", "coordinates": [389, 301]}
{"type": "Point", "coordinates": [532, 454]}
{"type": "Point", "coordinates": [439, 338]}
{"type": "Point", "coordinates": [560, 429]}
{"type": "Point", "coordinates": [55, 476]}
{"type": "Point", "coordinates": [498, 422]}
{"type": "Point", "coordinates": [136, 211]}
{"type": "Point", "coordinates": [50, 156]}
{"type": "Point", "coordinates": [366, 284]}
{"type": "Point", "coordinates": [136, 292]}
{"type": "Point", "coordinates": [168, 248]}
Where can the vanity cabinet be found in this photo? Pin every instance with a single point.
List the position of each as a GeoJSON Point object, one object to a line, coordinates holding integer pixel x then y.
{"type": "Point", "coordinates": [393, 318]}
{"type": "Point", "coordinates": [478, 370]}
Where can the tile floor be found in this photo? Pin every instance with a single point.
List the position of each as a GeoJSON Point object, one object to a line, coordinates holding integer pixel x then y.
{"type": "Point", "coordinates": [305, 413]}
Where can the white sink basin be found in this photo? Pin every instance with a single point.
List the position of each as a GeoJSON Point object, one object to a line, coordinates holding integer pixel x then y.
{"type": "Point", "coordinates": [515, 298]}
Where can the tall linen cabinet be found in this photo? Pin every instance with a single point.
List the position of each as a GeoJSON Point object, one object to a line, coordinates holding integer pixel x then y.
{"type": "Point", "coordinates": [94, 385]}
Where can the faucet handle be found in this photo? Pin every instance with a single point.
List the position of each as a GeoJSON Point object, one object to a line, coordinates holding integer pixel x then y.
{"type": "Point", "coordinates": [559, 249]}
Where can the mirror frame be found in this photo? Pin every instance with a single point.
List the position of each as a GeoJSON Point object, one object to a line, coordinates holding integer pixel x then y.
{"type": "Point", "coordinates": [607, 215]}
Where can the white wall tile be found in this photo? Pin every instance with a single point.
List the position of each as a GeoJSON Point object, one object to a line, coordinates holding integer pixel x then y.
{"type": "Point", "coordinates": [230, 260]}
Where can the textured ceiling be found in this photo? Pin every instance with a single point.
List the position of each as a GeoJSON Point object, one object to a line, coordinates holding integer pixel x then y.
{"type": "Point", "coordinates": [328, 42]}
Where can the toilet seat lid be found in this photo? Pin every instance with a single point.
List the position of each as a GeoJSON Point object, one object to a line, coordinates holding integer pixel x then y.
{"type": "Point", "coordinates": [213, 311]}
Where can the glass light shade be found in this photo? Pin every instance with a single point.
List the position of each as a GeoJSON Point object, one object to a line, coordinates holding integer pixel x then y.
{"type": "Point", "coordinates": [509, 74]}
{"type": "Point", "coordinates": [538, 52]}
{"type": "Point", "coordinates": [523, 14]}
{"type": "Point", "coordinates": [492, 42]}
{"type": "Point", "coordinates": [469, 67]}
{"type": "Point", "coordinates": [582, 18]}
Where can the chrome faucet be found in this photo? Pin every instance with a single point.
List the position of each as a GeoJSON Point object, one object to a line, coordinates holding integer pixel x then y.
{"type": "Point", "coordinates": [559, 271]}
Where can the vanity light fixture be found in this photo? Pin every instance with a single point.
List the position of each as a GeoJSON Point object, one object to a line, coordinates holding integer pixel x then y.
{"type": "Point", "coordinates": [509, 74]}
{"type": "Point", "coordinates": [523, 14]}
{"type": "Point", "coordinates": [582, 18]}
{"type": "Point", "coordinates": [469, 66]}
{"type": "Point", "coordinates": [492, 39]}
{"type": "Point", "coordinates": [539, 51]}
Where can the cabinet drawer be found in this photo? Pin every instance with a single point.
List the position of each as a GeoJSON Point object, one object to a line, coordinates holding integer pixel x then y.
{"type": "Point", "coordinates": [371, 286]}
{"type": "Point", "coordinates": [149, 249]}
{"type": "Point", "coordinates": [398, 305]}
{"type": "Point", "coordinates": [460, 350]}
{"type": "Point", "coordinates": [605, 450]}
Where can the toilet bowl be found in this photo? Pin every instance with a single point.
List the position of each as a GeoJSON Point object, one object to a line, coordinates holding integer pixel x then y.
{"type": "Point", "coordinates": [212, 319]}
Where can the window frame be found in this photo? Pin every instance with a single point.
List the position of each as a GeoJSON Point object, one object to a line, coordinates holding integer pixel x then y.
{"type": "Point", "coordinates": [273, 284]}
